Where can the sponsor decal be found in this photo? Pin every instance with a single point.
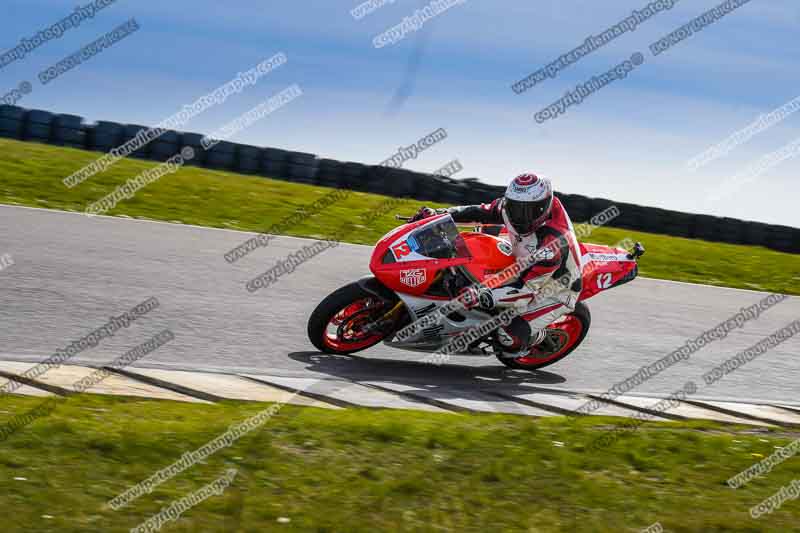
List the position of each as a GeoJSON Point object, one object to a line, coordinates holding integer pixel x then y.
{"type": "Point", "coordinates": [414, 277]}
{"type": "Point", "coordinates": [546, 253]}
{"type": "Point", "coordinates": [524, 183]}
{"type": "Point", "coordinates": [504, 247]}
{"type": "Point", "coordinates": [432, 334]}
{"type": "Point", "coordinates": [422, 311]}
{"type": "Point", "coordinates": [525, 180]}
{"type": "Point", "coordinates": [607, 257]}
{"type": "Point", "coordinates": [401, 250]}
{"type": "Point", "coordinates": [572, 301]}
{"type": "Point", "coordinates": [604, 280]}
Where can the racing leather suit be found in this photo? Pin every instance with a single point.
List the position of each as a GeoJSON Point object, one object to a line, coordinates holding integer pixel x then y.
{"type": "Point", "coordinates": [550, 287]}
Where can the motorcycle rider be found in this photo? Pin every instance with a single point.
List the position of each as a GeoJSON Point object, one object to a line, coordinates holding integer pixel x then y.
{"type": "Point", "coordinates": [537, 223]}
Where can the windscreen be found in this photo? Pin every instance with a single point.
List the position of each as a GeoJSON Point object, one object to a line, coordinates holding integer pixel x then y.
{"type": "Point", "coordinates": [439, 241]}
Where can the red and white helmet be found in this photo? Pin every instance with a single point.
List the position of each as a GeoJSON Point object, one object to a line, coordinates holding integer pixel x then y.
{"type": "Point", "coordinates": [527, 203]}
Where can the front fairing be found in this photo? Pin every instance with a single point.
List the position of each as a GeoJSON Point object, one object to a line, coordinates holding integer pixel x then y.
{"type": "Point", "coordinates": [409, 259]}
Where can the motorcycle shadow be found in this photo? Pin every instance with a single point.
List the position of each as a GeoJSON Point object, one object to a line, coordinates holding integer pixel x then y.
{"type": "Point", "coordinates": [431, 382]}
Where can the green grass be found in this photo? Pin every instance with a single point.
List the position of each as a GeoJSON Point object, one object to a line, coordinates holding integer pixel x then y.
{"type": "Point", "coordinates": [31, 174]}
{"type": "Point", "coordinates": [378, 470]}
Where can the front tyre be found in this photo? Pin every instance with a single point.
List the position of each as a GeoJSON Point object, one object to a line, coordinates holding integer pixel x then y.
{"type": "Point", "coordinates": [338, 324]}
{"type": "Point", "coordinates": [563, 336]}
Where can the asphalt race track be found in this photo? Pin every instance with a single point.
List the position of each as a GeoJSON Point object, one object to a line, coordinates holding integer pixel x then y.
{"type": "Point", "coordinates": [72, 272]}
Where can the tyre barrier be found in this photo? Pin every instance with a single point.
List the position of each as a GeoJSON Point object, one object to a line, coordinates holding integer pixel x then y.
{"type": "Point", "coordinates": [453, 192]}
{"type": "Point", "coordinates": [38, 126]}
{"type": "Point", "coordinates": [68, 131]}
{"type": "Point", "coordinates": [781, 238]}
{"type": "Point", "coordinates": [598, 205]}
{"type": "Point", "coordinates": [302, 174]}
{"type": "Point", "coordinates": [477, 192]}
{"type": "Point", "coordinates": [427, 188]}
{"type": "Point", "coordinates": [166, 146]}
{"type": "Point", "coordinates": [328, 172]}
{"type": "Point", "coordinates": [755, 233]}
{"type": "Point", "coordinates": [376, 180]}
{"type": "Point", "coordinates": [194, 141]}
{"type": "Point", "coordinates": [129, 131]}
{"type": "Point", "coordinates": [104, 136]}
{"type": "Point", "coordinates": [677, 223]}
{"type": "Point", "coordinates": [704, 227]}
{"type": "Point", "coordinates": [248, 159]}
{"type": "Point", "coordinates": [353, 176]}
{"type": "Point", "coordinates": [300, 158]}
{"type": "Point", "coordinates": [221, 156]}
{"type": "Point", "coordinates": [274, 163]}
{"type": "Point", "coordinates": [302, 167]}
{"type": "Point", "coordinates": [631, 217]}
{"type": "Point", "coordinates": [576, 205]}
{"type": "Point", "coordinates": [730, 230]}
{"type": "Point", "coordinates": [404, 187]}
{"type": "Point", "coordinates": [12, 121]}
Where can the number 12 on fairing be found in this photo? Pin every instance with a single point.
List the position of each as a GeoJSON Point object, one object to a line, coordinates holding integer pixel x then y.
{"type": "Point", "coordinates": [604, 280]}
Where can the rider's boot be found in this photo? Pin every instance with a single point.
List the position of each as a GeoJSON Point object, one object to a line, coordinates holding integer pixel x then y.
{"type": "Point", "coordinates": [538, 337]}
{"type": "Point", "coordinates": [516, 338]}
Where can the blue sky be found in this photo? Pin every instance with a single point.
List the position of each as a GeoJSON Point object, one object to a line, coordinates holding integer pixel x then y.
{"type": "Point", "coordinates": [629, 142]}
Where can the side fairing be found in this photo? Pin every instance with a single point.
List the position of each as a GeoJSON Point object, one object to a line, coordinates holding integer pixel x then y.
{"type": "Point", "coordinates": [605, 267]}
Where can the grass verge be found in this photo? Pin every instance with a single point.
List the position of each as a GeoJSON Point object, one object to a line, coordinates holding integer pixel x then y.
{"type": "Point", "coordinates": [381, 470]}
{"type": "Point", "coordinates": [31, 174]}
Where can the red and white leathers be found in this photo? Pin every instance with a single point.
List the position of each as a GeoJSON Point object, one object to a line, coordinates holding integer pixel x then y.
{"type": "Point", "coordinates": [550, 287]}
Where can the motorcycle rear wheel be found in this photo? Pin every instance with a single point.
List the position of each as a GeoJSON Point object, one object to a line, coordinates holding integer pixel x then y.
{"type": "Point", "coordinates": [564, 335]}
{"type": "Point", "coordinates": [335, 325]}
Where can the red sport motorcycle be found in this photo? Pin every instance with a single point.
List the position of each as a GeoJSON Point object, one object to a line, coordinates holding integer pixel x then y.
{"type": "Point", "coordinates": [421, 266]}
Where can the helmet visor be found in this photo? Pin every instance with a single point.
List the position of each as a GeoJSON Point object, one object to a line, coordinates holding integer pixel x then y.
{"type": "Point", "coordinates": [526, 217]}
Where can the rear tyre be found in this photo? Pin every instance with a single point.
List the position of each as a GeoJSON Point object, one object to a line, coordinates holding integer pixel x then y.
{"type": "Point", "coordinates": [563, 336]}
{"type": "Point", "coordinates": [337, 324]}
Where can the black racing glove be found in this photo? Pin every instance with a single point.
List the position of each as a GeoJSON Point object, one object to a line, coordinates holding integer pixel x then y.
{"type": "Point", "coordinates": [423, 213]}
{"type": "Point", "coordinates": [472, 297]}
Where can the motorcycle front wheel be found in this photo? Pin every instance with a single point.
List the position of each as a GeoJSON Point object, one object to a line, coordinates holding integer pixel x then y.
{"type": "Point", "coordinates": [338, 324]}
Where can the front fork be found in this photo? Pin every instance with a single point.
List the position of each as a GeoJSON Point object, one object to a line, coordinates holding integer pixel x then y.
{"type": "Point", "coordinates": [387, 324]}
